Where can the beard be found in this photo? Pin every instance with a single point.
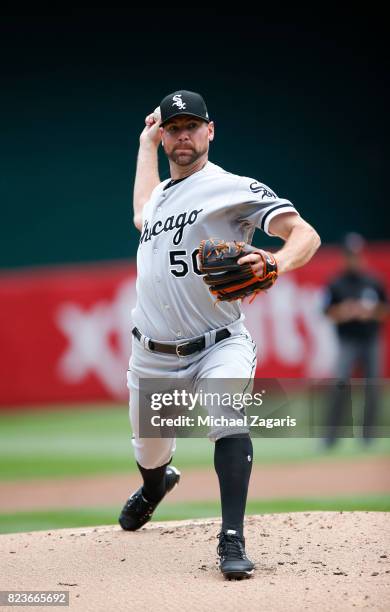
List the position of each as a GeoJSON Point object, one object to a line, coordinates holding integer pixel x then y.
{"type": "Point", "coordinates": [185, 156]}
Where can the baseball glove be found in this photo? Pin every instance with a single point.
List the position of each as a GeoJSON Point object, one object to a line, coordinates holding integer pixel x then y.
{"type": "Point", "coordinates": [229, 280]}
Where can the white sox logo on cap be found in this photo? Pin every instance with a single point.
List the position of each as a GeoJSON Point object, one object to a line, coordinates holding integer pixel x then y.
{"type": "Point", "coordinates": [183, 102]}
{"type": "Point", "coordinates": [178, 102]}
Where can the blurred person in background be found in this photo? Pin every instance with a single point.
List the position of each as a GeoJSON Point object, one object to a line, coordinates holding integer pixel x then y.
{"type": "Point", "coordinates": [357, 304]}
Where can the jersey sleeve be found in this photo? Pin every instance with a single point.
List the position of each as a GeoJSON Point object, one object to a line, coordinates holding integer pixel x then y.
{"type": "Point", "coordinates": [260, 204]}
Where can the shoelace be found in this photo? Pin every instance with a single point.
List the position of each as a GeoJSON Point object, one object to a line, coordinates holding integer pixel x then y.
{"type": "Point", "coordinates": [139, 505]}
{"type": "Point", "coordinates": [230, 546]}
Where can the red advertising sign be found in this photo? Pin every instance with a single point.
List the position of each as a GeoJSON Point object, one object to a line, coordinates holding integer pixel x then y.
{"type": "Point", "coordinates": [65, 332]}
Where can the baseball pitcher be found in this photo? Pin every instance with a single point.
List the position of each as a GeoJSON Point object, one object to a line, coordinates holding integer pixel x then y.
{"type": "Point", "coordinates": [195, 264]}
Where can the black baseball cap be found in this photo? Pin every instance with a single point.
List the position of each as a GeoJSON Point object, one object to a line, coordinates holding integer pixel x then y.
{"type": "Point", "coordinates": [183, 102]}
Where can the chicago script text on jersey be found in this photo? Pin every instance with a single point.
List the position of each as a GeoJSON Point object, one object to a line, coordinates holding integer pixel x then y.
{"type": "Point", "coordinates": [170, 224]}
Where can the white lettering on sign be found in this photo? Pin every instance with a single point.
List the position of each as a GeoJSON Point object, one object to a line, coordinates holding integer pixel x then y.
{"type": "Point", "coordinates": [288, 325]}
{"type": "Point", "coordinates": [99, 340]}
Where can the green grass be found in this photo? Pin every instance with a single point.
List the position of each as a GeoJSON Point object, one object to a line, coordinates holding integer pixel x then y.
{"type": "Point", "coordinates": [55, 519]}
{"type": "Point", "coordinates": [80, 440]}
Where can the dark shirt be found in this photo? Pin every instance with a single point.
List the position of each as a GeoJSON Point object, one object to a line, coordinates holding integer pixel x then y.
{"type": "Point", "coordinates": [356, 286]}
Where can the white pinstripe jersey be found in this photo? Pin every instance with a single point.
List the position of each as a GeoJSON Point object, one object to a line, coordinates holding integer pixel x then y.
{"type": "Point", "coordinates": [173, 302]}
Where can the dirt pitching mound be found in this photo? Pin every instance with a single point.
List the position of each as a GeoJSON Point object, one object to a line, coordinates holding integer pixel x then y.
{"type": "Point", "coordinates": [312, 560]}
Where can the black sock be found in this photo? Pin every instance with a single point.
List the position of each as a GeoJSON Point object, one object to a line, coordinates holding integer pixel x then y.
{"type": "Point", "coordinates": [233, 463]}
{"type": "Point", "coordinates": [153, 488]}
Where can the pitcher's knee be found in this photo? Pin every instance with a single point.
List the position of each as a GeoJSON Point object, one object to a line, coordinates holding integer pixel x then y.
{"type": "Point", "coordinates": [151, 456]}
{"type": "Point", "coordinates": [218, 433]}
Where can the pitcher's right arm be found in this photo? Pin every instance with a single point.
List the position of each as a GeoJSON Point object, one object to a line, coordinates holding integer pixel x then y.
{"type": "Point", "coordinates": [147, 175]}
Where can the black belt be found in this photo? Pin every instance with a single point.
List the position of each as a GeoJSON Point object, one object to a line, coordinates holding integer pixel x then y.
{"type": "Point", "coordinates": [183, 348]}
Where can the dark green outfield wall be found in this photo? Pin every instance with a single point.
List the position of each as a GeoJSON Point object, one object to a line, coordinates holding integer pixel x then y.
{"type": "Point", "coordinates": [301, 109]}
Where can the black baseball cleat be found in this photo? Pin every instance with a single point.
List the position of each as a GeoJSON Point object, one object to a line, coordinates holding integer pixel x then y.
{"type": "Point", "coordinates": [234, 563]}
{"type": "Point", "coordinates": [137, 510]}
